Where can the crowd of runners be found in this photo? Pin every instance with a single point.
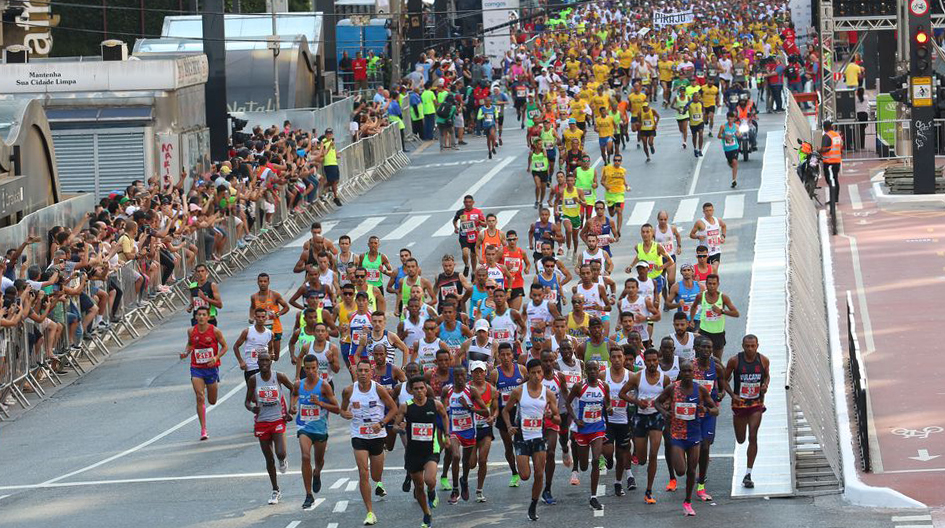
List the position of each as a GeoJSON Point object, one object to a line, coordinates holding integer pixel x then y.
{"type": "Point", "coordinates": [543, 344]}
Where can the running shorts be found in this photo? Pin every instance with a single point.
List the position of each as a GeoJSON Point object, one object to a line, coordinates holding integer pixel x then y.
{"type": "Point", "coordinates": [731, 155]}
{"type": "Point", "coordinates": [250, 373]}
{"type": "Point", "coordinates": [415, 464]}
{"type": "Point", "coordinates": [619, 434]}
{"type": "Point", "coordinates": [614, 199]}
{"type": "Point", "coordinates": [515, 293]}
{"type": "Point", "coordinates": [548, 425]}
{"type": "Point", "coordinates": [542, 176]}
{"type": "Point", "coordinates": [374, 446]}
{"type": "Point", "coordinates": [697, 128]}
{"type": "Point", "coordinates": [715, 259]}
{"type": "Point", "coordinates": [748, 411]}
{"type": "Point", "coordinates": [648, 133]}
{"type": "Point", "coordinates": [604, 141]}
{"type": "Point", "coordinates": [575, 221]}
{"type": "Point", "coordinates": [718, 340]}
{"type": "Point", "coordinates": [208, 375]}
{"type": "Point", "coordinates": [266, 430]}
{"type": "Point", "coordinates": [465, 243]}
{"type": "Point", "coordinates": [314, 437]}
{"type": "Point", "coordinates": [685, 444]}
{"type": "Point", "coordinates": [708, 428]}
{"type": "Point", "coordinates": [585, 439]}
{"type": "Point", "coordinates": [464, 441]}
{"type": "Point", "coordinates": [644, 423]}
{"type": "Point", "coordinates": [529, 447]}
{"type": "Point", "coordinates": [484, 432]}
{"type": "Point", "coordinates": [332, 174]}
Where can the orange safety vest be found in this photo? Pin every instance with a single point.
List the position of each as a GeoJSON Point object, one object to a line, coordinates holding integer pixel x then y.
{"type": "Point", "coordinates": [836, 145]}
{"type": "Point", "coordinates": [744, 112]}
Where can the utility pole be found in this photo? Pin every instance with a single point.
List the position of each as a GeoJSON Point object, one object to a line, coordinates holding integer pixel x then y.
{"type": "Point", "coordinates": [922, 94]}
{"type": "Point", "coordinates": [214, 35]}
{"type": "Point", "coordinates": [396, 19]}
{"type": "Point", "coordinates": [274, 45]}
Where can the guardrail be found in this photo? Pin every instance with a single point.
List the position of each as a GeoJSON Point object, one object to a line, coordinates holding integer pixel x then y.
{"type": "Point", "coordinates": [31, 353]}
{"type": "Point", "coordinates": [858, 379]}
{"type": "Point", "coordinates": [336, 116]}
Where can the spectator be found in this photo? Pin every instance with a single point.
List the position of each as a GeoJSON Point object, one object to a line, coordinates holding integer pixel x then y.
{"type": "Point", "coordinates": [359, 72]}
{"type": "Point", "coordinates": [429, 111]}
{"type": "Point", "coordinates": [344, 66]}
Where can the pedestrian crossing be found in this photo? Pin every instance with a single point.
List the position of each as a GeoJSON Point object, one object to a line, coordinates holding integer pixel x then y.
{"type": "Point", "coordinates": [410, 227]}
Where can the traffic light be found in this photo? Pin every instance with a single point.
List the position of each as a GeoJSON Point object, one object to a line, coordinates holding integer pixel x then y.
{"type": "Point", "coordinates": [900, 94]}
{"type": "Point", "coordinates": [921, 54]}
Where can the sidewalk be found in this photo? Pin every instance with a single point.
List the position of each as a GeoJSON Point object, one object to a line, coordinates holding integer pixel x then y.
{"type": "Point", "coordinates": [893, 263]}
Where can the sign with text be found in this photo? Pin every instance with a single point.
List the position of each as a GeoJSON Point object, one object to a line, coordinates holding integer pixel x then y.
{"type": "Point", "coordinates": [661, 19]}
{"type": "Point", "coordinates": [499, 41]}
{"type": "Point", "coordinates": [169, 159]}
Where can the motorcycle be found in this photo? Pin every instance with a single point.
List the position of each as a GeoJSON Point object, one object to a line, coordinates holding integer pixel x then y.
{"type": "Point", "coordinates": [808, 167]}
{"type": "Point", "coordinates": [744, 138]}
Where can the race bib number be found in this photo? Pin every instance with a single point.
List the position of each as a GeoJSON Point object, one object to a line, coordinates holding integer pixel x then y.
{"type": "Point", "coordinates": [501, 335]}
{"type": "Point", "coordinates": [551, 296]}
{"type": "Point", "coordinates": [505, 397]}
{"type": "Point", "coordinates": [531, 425]}
{"type": "Point", "coordinates": [356, 336]}
{"type": "Point", "coordinates": [749, 391]}
{"type": "Point", "coordinates": [366, 430]}
{"type": "Point", "coordinates": [254, 353]}
{"type": "Point", "coordinates": [200, 303]}
{"type": "Point", "coordinates": [467, 226]}
{"type": "Point", "coordinates": [647, 123]}
{"type": "Point", "coordinates": [548, 143]}
{"type": "Point", "coordinates": [421, 432]}
{"type": "Point", "coordinates": [309, 413]}
{"type": "Point", "coordinates": [449, 289]}
{"type": "Point", "coordinates": [267, 396]}
{"type": "Point", "coordinates": [373, 275]}
{"type": "Point", "coordinates": [204, 355]}
{"type": "Point", "coordinates": [708, 384]}
{"type": "Point", "coordinates": [571, 379]}
{"type": "Point", "coordinates": [684, 411]}
{"type": "Point", "coordinates": [570, 202]}
{"type": "Point", "coordinates": [603, 240]}
{"type": "Point", "coordinates": [462, 423]}
{"type": "Point", "coordinates": [592, 413]}
{"type": "Point", "coordinates": [619, 403]}
{"type": "Point", "coordinates": [696, 117]}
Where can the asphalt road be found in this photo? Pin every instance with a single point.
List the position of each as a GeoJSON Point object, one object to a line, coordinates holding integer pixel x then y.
{"type": "Point", "coordinates": [120, 447]}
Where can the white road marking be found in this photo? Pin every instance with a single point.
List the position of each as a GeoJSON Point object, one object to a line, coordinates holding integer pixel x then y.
{"type": "Point", "coordinates": [293, 524]}
{"type": "Point", "coordinates": [299, 242]}
{"type": "Point", "coordinates": [602, 490]}
{"type": "Point", "coordinates": [364, 227]}
{"type": "Point", "coordinates": [855, 201]}
{"type": "Point", "coordinates": [482, 181]}
{"type": "Point", "coordinates": [734, 207]}
{"type": "Point", "coordinates": [353, 485]}
{"type": "Point", "coordinates": [411, 223]}
{"type": "Point", "coordinates": [698, 170]}
{"type": "Point", "coordinates": [686, 212]}
{"type": "Point", "coordinates": [3, 497]}
{"type": "Point", "coordinates": [446, 230]}
{"type": "Point", "coordinates": [504, 217]}
{"type": "Point", "coordinates": [860, 292]}
{"type": "Point", "coordinates": [641, 213]}
{"type": "Point", "coordinates": [598, 513]}
{"type": "Point", "coordinates": [332, 525]}
{"type": "Point", "coordinates": [914, 526]}
{"type": "Point", "coordinates": [339, 483]}
{"type": "Point", "coordinates": [340, 506]}
{"type": "Point", "coordinates": [911, 518]}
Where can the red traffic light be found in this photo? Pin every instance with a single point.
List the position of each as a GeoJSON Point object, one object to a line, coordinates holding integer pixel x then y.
{"type": "Point", "coordinates": [921, 37]}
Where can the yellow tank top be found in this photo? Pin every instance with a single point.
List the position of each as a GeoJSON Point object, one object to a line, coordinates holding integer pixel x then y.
{"type": "Point", "coordinates": [652, 256]}
{"type": "Point", "coordinates": [695, 114]}
{"type": "Point", "coordinates": [647, 120]}
{"type": "Point", "coordinates": [575, 330]}
{"type": "Point", "coordinates": [345, 316]}
{"type": "Point", "coordinates": [569, 203]}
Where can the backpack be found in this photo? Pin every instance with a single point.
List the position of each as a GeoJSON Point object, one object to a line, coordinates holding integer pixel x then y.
{"type": "Point", "coordinates": [443, 111]}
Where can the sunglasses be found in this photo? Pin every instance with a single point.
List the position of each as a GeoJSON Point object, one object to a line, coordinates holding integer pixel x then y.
{"type": "Point", "coordinates": [702, 256]}
{"type": "Point", "coordinates": [360, 276]}
{"type": "Point", "coordinates": [511, 238]}
{"type": "Point", "coordinates": [490, 287]}
{"type": "Point", "coordinates": [347, 293]}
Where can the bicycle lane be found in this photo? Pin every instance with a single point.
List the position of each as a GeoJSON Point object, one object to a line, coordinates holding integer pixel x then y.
{"type": "Point", "coordinates": [892, 261]}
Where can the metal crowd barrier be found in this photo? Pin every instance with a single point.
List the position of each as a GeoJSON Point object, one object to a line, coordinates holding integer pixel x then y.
{"type": "Point", "coordinates": [858, 378]}
{"type": "Point", "coordinates": [336, 116]}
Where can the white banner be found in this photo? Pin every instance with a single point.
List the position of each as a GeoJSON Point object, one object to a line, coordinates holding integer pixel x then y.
{"type": "Point", "coordinates": [661, 19]}
{"type": "Point", "coordinates": [495, 12]}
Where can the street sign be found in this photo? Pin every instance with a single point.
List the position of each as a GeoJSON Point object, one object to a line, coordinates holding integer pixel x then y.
{"type": "Point", "coordinates": [918, 7]}
{"type": "Point", "coordinates": [921, 91]}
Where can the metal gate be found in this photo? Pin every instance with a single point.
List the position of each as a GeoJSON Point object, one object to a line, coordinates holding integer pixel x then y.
{"type": "Point", "coordinates": [99, 161]}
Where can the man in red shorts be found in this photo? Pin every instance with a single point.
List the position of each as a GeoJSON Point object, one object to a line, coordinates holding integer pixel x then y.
{"type": "Point", "coordinates": [264, 399]}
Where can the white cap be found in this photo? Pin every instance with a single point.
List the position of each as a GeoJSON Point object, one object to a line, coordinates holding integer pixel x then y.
{"type": "Point", "coordinates": [473, 365]}
{"type": "Point", "coordinates": [481, 324]}
{"type": "Point", "coordinates": [643, 263]}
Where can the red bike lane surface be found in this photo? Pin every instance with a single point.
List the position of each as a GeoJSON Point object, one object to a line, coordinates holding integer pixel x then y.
{"type": "Point", "coordinates": [893, 262]}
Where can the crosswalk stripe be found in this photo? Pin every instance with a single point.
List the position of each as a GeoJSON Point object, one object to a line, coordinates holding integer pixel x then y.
{"type": "Point", "coordinates": [686, 210]}
{"type": "Point", "coordinates": [504, 217]}
{"type": "Point", "coordinates": [340, 506]}
{"type": "Point", "coordinates": [409, 225]}
{"type": "Point", "coordinates": [734, 206]}
{"type": "Point", "coordinates": [339, 483]}
{"type": "Point", "coordinates": [641, 213]}
{"type": "Point", "coordinates": [364, 227]}
{"type": "Point", "coordinates": [353, 485]}
{"type": "Point", "coordinates": [326, 227]}
{"type": "Point", "coordinates": [446, 230]}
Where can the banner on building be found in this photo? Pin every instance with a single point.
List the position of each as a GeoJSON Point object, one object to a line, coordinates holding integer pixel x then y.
{"type": "Point", "coordinates": [661, 19]}
{"type": "Point", "coordinates": [494, 13]}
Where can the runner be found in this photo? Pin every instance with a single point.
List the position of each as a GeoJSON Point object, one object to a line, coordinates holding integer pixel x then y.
{"type": "Point", "coordinates": [424, 417]}
{"type": "Point", "coordinates": [312, 247]}
{"type": "Point", "coordinates": [708, 372]}
{"type": "Point", "coordinates": [751, 372]}
{"type": "Point", "coordinates": [359, 324]}
{"type": "Point", "coordinates": [544, 230]}
{"type": "Point", "coordinates": [464, 406]}
{"type": "Point", "coordinates": [424, 351]}
{"type": "Point", "coordinates": [554, 381]}
{"type": "Point", "coordinates": [539, 314]}
{"type": "Point", "coordinates": [487, 116]}
{"type": "Point", "coordinates": [549, 284]}
{"type": "Point", "coordinates": [533, 403]}
{"type": "Point", "coordinates": [572, 203]}
{"type": "Point", "coordinates": [257, 338]}
{"type": "Point", "coordinates": [683, 294]}
{"type": "Point", "coordinates": [730, 135]}
{"type": "Point", "coordinates": [573, 370]}
{"type": "Point", "coordinates": [617, 442]}
{"type": "Point", "coordinates": [450, 283]}
{"type": "Point", "coordinates": [585, 180]}
{"type": "Point", "coordinates": [682, 404]}
{"type": "Point", "coordinates": [466, 223]}
{"type": "Point", "coordinates": [410, 328]}
{"type": "Point", "coordinates": [710, 231]}
{"type": "Point", "coordinates": [656, 256]}
{"type": "Point", "coordinates": [595, 348]}
{"type": "Point", "coordinates": [387, 376]}
{"type": "Point", "coordinates": [604, 126]}
{"type": "Point", "coordinates": [506, 377]}
{"type": "Point", "coordinates": [265, 400]}
{"type": "Point", "coordinates": [204, 293]}
{"type": "Point", "coordinates": [376, 264]}
{"type": "Point", "coordinates": [696, 123]}
{"type": "Point", "coordinates": [669, 365]}
{"type": "Point", "coordinates": [713, 306]}
{"type": "Point", "coordinates": [363, 403]}
{"type": "Point", "coordinates": [590, 401]}
{"type": "Point", "coordinates": [274, 306]}
{"type": "Point", "coordinates": [516, 263]}
{"type": "Point", "coordinates": [649, 121]}
{"type": "Point", "coordinates": [641, 308]}
{"type": "Point", "coordinates": [314, 400]}
{"type": "Point", "coordinates": [484, 433]}
{"type": "Point", "coordinates": [614, 179]}
{"type": "Point", "coordinates": [539, 168]}
{"type": "Point", "coordinates": [205, 346]}
{"type": "Point", "coordinates": [641, 390]}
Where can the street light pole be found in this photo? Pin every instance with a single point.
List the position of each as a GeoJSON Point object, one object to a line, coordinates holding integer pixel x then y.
{"type": "Point", "coordinates": [274, 44]}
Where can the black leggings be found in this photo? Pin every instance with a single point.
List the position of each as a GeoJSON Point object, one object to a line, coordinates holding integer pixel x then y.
{"type": "Point", "coordinates": [167, 266]}
{"type": "Point", "coordinates": [833, 180]}
{"type": "Point", "coordinates": [115, 287]}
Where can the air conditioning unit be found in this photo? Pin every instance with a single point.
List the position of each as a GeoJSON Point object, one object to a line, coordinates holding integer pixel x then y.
{"type": "Point", "coordinates": [16, 54]}
{"type": "Point", "coordinates": [114, 50]}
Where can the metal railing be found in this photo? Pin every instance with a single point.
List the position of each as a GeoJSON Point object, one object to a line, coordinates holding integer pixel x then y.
{"type": "Point", "coordinates": [141, 301]}
{"type": "Point", "coordinates": [336, 116]}
{"type": "Point", "coordinates": [858, 380]}
{"type": "Point", "coordinates": [886, 139]}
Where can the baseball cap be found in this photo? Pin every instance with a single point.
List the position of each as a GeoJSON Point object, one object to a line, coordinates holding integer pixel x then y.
{"type": "Point", "coordinates": [572, 120]}
{"type": "Point", "coordinates": [481, 324]}
{"type": "Point", "coordinates": [686, 266]}
{"type": "Point", "coordinates": [643, 264]}
{"type": "Point", "coordinates": [475, 365]}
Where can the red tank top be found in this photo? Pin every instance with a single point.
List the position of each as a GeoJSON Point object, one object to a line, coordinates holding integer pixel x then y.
{"type": "Point", "coordinates": [700, 276]}
{"type": "Point", "coordinates": [204, 348]}
{"type": "Point", "coordinates": [514, 261]}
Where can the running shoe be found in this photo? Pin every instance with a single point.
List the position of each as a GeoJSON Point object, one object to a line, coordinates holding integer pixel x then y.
{"type": "Point", "coordinates": [480, 497]}
{"type": "Point", "coordinates": [595, 504]}
{"type": "Point", "coordinates": [427, 521]}
{"type": "Point", "coordinates": [533, 512]}
{"type": "Point", "coordinates": [515, 481]}
{"type": "Point", "coordinates": [648, 498]}
{"type": "Point", "coordinates": [548, 499]}
{"type": "Point", "coordinates": [371, 515]}
{"type": "Point", "coordinates": [687, 509]}
{"type": "Point", "coordinates": [746, 482]}
{"type": "Point", "coordinates": [445, 484]}
{"type": "Point", "coordinates": [203, 434]}
{"type": "Point", "coordinates": [454, 497]}
{"type": "Point", "coordinates": [672, 485]}
{"type": "Point", "coordinates": [575, 480]}
{"type": "Point", "coordinates": [703, 496]}
{"type": "Point", "coordinates": [618, 489]}
{"type": "Point", "coordinates": [379, 490]}
{"type": "Point", "coordinates": [316, 483]}
{"type": "Point", "coordinates": [283, 465]}
{"type": "Point", "coordinates": [464, 488]}
{"type": "Point", "coordinates": [370, 519]}
{"type": "Point", "coordinates": [602, 463]}
{"type": "Point", "coordinates": [734, 184]}
{"type": "Point", "coordinates": [432, 499]}
{"type": "Point", "coordinates": [631, 483]}
{"type": "Point", "coordinates": [309, 501]}
{"type": "Point", "coordinates": [405, 487]}
{"type": "Point", "coordinates": [274, 498]}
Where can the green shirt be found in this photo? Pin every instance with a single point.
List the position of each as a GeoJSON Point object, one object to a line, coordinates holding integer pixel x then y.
{"type": "Point", "coordinates": [429, 102]}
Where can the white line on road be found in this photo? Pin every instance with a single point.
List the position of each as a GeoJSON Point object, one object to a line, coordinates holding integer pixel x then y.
{"type": "Point", "coordinates": [364, 227]}
{"type": "Point", "coordinates": [332, 525]}
{"type": "Point", "coordinates": [411, 223]}
{"type": "Point", "coordinates": [641, 213]}
{"type": "Point", "coordinates": [598, 513]}
{"type": "Point", "coordinates": [353, 485]}
{"type": "Point", "coordinates": [734, 207]}
{"type": "Point", "coordinates": [855, 201]}
{"type": "Point", "coordinates": [339, 483]}
{"type": "Point", "coordinates": [447, 228]}
{"type": "Point", "coordinates": [482, 181]}
{"type": "Point", "coordinates": [293, 524]}
{"type": "Point", "coordinates": [602, 490]}
{"type": "Point", "coordinates": [914, 526]}
{"type": "Point", "coordinates": [911, 518]}
{"type": "Point", "coordinates": [695, 173]}
{"type": "Point", "coordinates": [299, 242]}
{"type": "Point", "coordinates": [340, 506]}
{"type": "Point", "coordinates": [686, 212]}
{"type": "Point", "coordinates": [3, 497]}
{"type": "Point", "coordinates": [504, 217]}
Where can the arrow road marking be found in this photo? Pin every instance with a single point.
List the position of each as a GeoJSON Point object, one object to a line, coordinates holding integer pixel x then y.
{"type": "Point", "coordinates": [924, 456]}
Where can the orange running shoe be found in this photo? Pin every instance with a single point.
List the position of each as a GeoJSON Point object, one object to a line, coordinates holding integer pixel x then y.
{"type": "Point", "coordinates": [672, 485]}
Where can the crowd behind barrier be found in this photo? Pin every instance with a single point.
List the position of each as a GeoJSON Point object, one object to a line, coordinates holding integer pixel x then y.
{"type": "Point", "coordinates": [336, 116]}
{"type": "Point", "coordinates": [72, 294]}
